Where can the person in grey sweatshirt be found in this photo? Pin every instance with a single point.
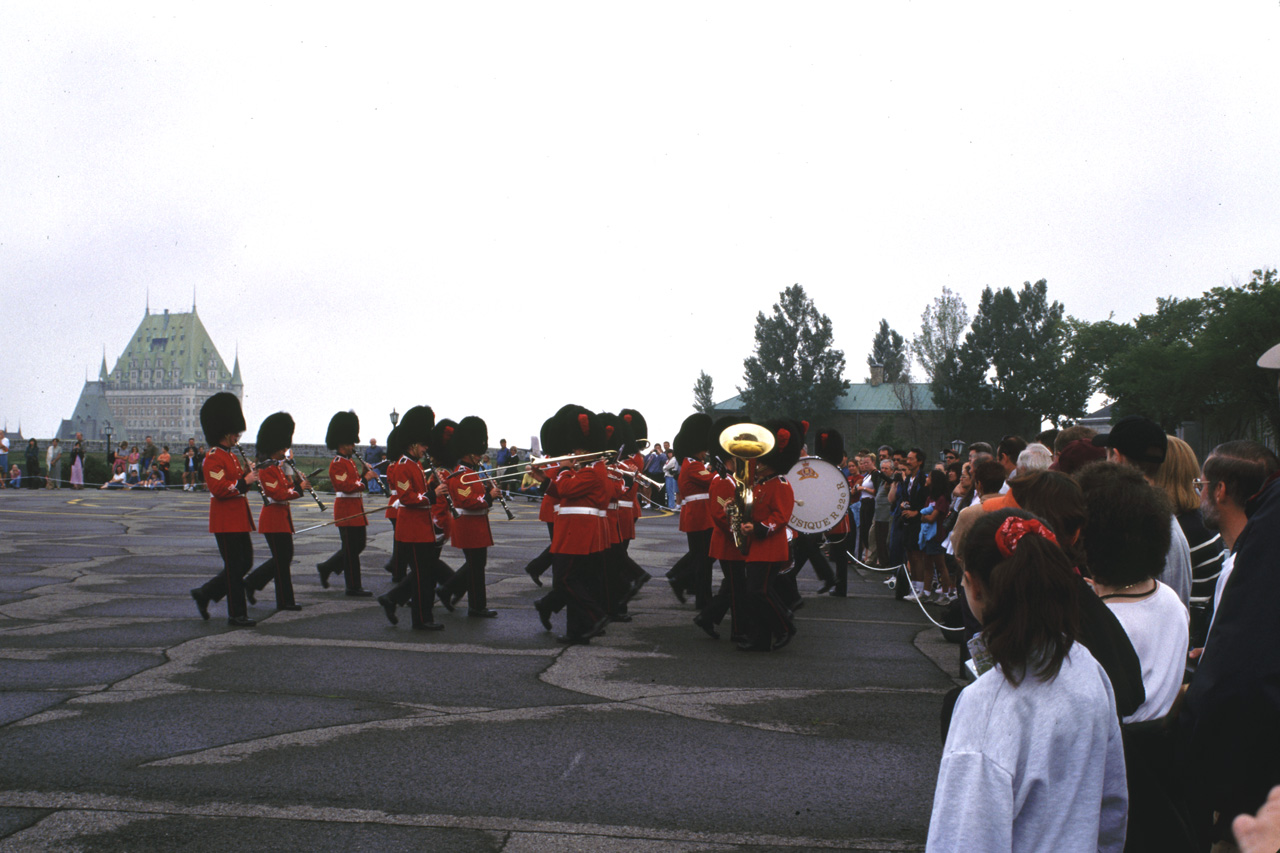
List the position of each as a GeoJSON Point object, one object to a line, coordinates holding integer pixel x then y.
{"type": "Point", "coordinates": [1034, 759]}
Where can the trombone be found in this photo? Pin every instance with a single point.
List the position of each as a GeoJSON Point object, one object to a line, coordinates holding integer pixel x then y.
{"type": "Point", "coordinates": [510, 470]}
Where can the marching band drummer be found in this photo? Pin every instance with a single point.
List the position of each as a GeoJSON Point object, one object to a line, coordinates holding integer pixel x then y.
{"type": "Point", "coordinates": [769, 624]}
{"type": "Point", "coordinates": [348, 505]}
{"type": "Point", "coordinates": [728, 599]}
{"type": "Point", "coordinates": [583, 496]}
{"type": "Point", "coordinates": [229, 520]}
{"type": "Point", "coordinates": [415, 527]}
{"type": "Point", "coordinates": [692, 444]}
{"type": "Point", "coordinates": [460, 448]}
{"type": "Point", "coordinates": [828, 445]}
{"type": "Point", "coordinates": [275, 522]}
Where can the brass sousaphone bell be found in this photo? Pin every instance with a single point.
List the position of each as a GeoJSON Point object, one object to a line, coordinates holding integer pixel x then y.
{"type": "Point", "coordinates": [746, 443]}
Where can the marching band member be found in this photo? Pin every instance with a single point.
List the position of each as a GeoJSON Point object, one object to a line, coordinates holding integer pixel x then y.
{"type": "Point", "coordinates": [728, 599]}
{"type": "Point", "coordinates": [546, 509]}
{"type": "Point", "coordinates": [769, 624]}
{"type": "Point", "coordinates": [583, 496]}
{"type": "Point", "coordinates": [460, 448]}
{"type": "Point", "coordinates": [692, 444]}
{"type": "Point", "coordinates": [634, 432]}
{"type": "Point", "coordinates": [415, 528]}
{"type": "Point", "coordinates": [348, 506]}
{"type": "Point", "coordinates": [397, 561]}
{"type": "Point", "coordinates": [828, 444]}
{"type": "Point", "coordinates": [229, 520]}
{"type": "Point", "coordinates": [275, 522]}
{"type": "Point", "coordinates": [614, 586]}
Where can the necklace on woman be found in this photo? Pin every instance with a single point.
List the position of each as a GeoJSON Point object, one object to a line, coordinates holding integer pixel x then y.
{"type": "Point", "coordinates": [1120, 593]}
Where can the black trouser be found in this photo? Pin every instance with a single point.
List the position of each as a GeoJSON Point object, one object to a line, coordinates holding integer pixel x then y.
{"type": "Point", "coordinates": [808, 549]}
{"type": "Point", "coordinates": [729, 598]}
{"type": "Point", "coordinates": [571, 584]}
{"type": "Point", "coordinates": [397, 562]}
{"type": "Point", "coordinates": [417, 588]}
{"type": "Point", "coordinates": [346, 560]}
{"type": "Point", "coordinates": [470, 578]}
{"type": "Point", "coordinates": [766, 617]}
{"type": "Point", "coordinates": [700, 568]}
{"type": "Point", "coordinates": [275, 569]}
{"type": "Point", "coordinates": [866, 514]}
{"type": "Point", "coordinates": [784, 584]}
{"type": "Point", "coordinates": [237, 558]}
{"type": "Point", "coordinates": [539, 564]}
{"type": "Point", "coordinates": [616, 584]}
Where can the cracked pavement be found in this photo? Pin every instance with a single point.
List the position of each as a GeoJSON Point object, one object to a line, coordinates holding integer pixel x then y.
{"type": "Point", "coordinates": [128, 723]}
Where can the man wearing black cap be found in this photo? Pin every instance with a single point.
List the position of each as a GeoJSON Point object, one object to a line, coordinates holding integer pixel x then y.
{"type": "Point", "coordinates": [275, 522]}
{"type": "Point", "coordinates": [1140, 442]}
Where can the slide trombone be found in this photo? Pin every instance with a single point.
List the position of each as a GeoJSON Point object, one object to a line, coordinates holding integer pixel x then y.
{"type": "Point", "coordinates": [509, 470]}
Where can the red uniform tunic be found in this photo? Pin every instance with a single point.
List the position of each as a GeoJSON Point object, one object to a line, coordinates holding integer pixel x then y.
{"type": "Point", "coordinates": [417, 504]}
{"type": "Point", "coordinates": [278, 489]}
{"type": "Point", "coordinates": [547, 509]}
{"type": "Point", "coordinates": [628, 501]}
{"type": "Point", "coordinates": [584, 498]}
{"type": "Point", "coordinates": [348, 505]}
{"type": "Point", "coordinates": [635, 463]}
{"type": "Point", "coordinates": [722, 547]}
{"type": "Point", "coordinates": [770, 511]}
{"type": "Point", "coordinates": [228, 507]}
{"type": "Point", "coordinates": [695, 480]}
{"type": "Point", "coordinates": [471, 500]}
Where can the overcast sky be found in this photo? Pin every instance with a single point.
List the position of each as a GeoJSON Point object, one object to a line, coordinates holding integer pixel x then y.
{"type": "Point", "coordinates": [499, 208]}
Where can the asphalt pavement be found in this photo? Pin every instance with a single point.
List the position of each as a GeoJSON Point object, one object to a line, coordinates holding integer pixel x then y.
{"type": "Point", "coordinates": [128, 723]}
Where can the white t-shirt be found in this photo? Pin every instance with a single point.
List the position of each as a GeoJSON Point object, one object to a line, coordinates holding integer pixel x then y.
{"type": "Point", "coordinates": [1159, 628]}
{"type": "Point", "coordinates": [1228, 563]}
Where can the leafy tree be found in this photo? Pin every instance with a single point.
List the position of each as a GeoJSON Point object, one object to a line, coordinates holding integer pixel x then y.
{"type": "Point", "coordinates": [1193, 359]}
{"type": "Point", "coordinates": [703, 401]}
{"type": "Point", "coordinates": [942, 328]}
{"type": "Point", "coordinates": [795, 372]}
{"type": "Point", "coordinates": [889, 349]}
{"type": "Point", "coordinates": [1013, 362]}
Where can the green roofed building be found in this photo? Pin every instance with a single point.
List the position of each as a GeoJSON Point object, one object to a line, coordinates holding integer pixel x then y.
{"type": "Point", "coordinates": [168, 369]}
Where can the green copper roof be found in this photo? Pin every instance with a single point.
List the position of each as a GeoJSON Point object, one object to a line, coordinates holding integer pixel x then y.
{"type": "Point", "coordinates": [864, 397]}
{"type": "Point", "coordinates": [171, 350]}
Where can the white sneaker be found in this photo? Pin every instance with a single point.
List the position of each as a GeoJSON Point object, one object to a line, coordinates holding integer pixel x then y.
{"type": "Point", "coordinates": [913, 595]}
{"type": "Point", "coordinates": [940, 597]}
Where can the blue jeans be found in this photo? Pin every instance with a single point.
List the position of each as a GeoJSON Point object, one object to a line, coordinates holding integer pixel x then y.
{"type": "Point", "coordinates": [671, 492]}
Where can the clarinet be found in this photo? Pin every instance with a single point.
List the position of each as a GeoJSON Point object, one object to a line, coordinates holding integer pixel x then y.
{"type": "Point", "coordinates": [443, 476]}
{"type": "Point", "coordinates": [298, 476]}
{"type": "Point", "coordinates": [247, 469]}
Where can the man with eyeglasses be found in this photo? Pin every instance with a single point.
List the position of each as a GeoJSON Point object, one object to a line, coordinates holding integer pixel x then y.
{"type": "Point", "coordinates": [1228, 739]}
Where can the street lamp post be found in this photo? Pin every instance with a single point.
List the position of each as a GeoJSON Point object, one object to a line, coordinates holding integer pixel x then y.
{"type": "Point", "coordinates": [106, 426]}
{"type": "Point", "coordinates": [395, 417]}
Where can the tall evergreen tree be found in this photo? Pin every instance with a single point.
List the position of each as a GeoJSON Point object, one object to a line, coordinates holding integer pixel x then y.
{"type": "Point", "coordinates": [942, 327]}
{"type": "Point", "coordinates": [889, 349]}
{"type": "Point", "coordinates": [703, 391]}
{"type": "Point", "coordinates": [795, 372]}
{"type": "Point", "coordinates": [1013, 362]}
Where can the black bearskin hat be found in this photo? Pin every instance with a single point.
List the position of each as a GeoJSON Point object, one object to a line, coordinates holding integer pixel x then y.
{"type": "Point", "coordinates": [788, 443]}
{"type": "Point", "coordinates": [828, 445]}
{"type": "Point", "coordinates": [473, 432]}
{"type": "Point", "coordinates": [276, 433]}
{"type": "Point", "coordinates": [220, 415]}
{"type": "Point", "coordinates": [551, 445]}
{"type": "Point", "coordinates": [344, 428]}
{"type": "Point", "coordinates": [446, 443]}
{"type": "Point", "coordinates": [577, 428]}
{"type": "Point", "coordinates": [639, 430]}
{"type": "Point", "coordinates": [694, 436]}
{"type": "Point", "coordinates": [396, 444]}
{"type": "Point", "coordinates": [415, 428]}
{"type": "Point", "coordinates": [617, 435]}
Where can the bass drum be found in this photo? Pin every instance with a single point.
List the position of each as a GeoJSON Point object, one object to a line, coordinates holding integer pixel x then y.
{"type": "Point", "coordinates": [822, 495]}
